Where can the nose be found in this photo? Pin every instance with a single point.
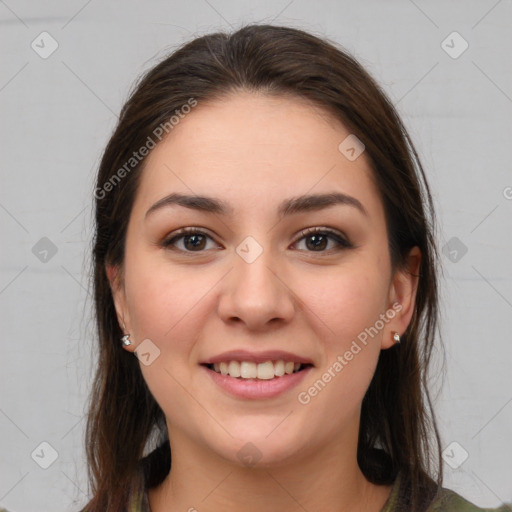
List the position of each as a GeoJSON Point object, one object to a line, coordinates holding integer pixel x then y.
{"type": "Point", "coordinates": [256, 294]}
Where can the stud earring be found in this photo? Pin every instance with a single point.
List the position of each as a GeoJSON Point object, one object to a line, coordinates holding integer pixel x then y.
{"type": "Point", "coordinates": [126, 340]}
{"type": "Point", "coordinates": [396, 337]}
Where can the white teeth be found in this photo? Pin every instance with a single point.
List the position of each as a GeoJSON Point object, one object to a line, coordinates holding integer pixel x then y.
{"type": "Point", "coordinates": [279, 368]}
{"type": "Point", "coordinates": [250, 370]}
{"type": "Point", "coordinates": [266, 370]}
{"type": "Point", "coordinates": [234, 369]}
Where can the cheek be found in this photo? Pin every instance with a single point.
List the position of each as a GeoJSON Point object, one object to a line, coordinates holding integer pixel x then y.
{"type": "Point", "coordinates": [161, 298]}
{"type": "Point", "coordinates": [347, 300]}
{"type": "Point", "coordinates": [348, 305]}
{"type": "Point", "coordinates": [164, 303]}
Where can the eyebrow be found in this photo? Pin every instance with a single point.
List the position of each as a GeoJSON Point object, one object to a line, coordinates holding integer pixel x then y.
{"type": "Point", "coordinates": [294, 205]}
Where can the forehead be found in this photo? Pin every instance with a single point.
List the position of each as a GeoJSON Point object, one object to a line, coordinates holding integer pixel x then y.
{"type": "Point", "coordinates": [251, 149]}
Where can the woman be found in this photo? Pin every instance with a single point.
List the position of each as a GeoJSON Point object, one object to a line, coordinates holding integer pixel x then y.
{"type": "Point", "coordinates": [265, 248]}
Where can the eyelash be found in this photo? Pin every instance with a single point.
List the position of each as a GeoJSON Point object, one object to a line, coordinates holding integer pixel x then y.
{"type": "Point", "coordinates": [341, 242]}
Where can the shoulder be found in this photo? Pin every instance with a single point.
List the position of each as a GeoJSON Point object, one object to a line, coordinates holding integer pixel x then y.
{"type": "Point", "coordinates": [432, 499]}
{"type": "Point", "coordinates": [450, 501]}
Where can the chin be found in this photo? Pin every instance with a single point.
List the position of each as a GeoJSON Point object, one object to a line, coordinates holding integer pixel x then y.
{"type": "Point", "coordinates": [259, 451]}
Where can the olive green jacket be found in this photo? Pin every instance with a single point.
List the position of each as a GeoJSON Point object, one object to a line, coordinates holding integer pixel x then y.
{"type": "Point", "coordinates": [447, 500]}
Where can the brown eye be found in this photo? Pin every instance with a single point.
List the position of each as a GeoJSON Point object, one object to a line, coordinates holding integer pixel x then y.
{"type": "Point", "coordinates": [317, 240]}
{"type": "Point", "coordinates": [196, 242]}
{"type": "Point", "coordinates": [193, 240]}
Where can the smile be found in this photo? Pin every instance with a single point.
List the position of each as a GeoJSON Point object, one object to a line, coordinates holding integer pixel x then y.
{"type": "Point", "coordinates": [251, 370]}
{"type": "Point", "coordinates": [246, 379]}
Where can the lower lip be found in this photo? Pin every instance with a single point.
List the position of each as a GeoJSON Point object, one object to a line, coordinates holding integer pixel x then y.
{"type": "Point", "coordinates": [256, 388]}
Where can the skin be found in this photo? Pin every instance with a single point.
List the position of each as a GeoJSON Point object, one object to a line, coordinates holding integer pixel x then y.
{"type": "Point", "coordinates": [253, 151]}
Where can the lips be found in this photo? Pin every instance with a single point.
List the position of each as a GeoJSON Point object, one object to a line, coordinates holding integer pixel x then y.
{"type": "Point", "coordinates": [256, 389]}
{"type": "Point", "coordinates": [257, 375]}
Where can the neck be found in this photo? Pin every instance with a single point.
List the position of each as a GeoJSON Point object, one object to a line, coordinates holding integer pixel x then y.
{"type": "Point", "coordinates": [328, 478]}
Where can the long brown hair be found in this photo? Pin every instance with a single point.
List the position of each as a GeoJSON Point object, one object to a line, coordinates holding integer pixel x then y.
{"type": "Point", "coordinates": [397, 417]}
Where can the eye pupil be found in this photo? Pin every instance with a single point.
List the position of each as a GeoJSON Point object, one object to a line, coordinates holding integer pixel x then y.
{"type": "Point", "coordinates": [195, 245]}
{"type": "Point", "coordinates": [317, 243]}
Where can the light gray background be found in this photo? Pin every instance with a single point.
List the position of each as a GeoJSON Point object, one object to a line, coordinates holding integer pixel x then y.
{"type": "Point", "coordinates": [57, 114]}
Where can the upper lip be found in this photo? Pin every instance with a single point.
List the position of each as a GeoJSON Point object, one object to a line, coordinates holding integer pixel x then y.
{"type": "Point", "coordinates": [257, 357]}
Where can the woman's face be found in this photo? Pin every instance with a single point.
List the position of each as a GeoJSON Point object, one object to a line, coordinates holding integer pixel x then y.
{"type": "Point", "coordinates": [251, 281]}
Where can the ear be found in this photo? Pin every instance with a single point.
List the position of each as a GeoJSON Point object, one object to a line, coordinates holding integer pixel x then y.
{"type": "Point", "coordinates": [402, 297]}
{"type": "Point", "coordinates": [115, 278]}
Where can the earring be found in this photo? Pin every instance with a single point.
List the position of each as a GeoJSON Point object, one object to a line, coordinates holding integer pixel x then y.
{"type": "Point", "coordinates": [396, 337]}
{"type": "Point", "coordinates": [126, 340]}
